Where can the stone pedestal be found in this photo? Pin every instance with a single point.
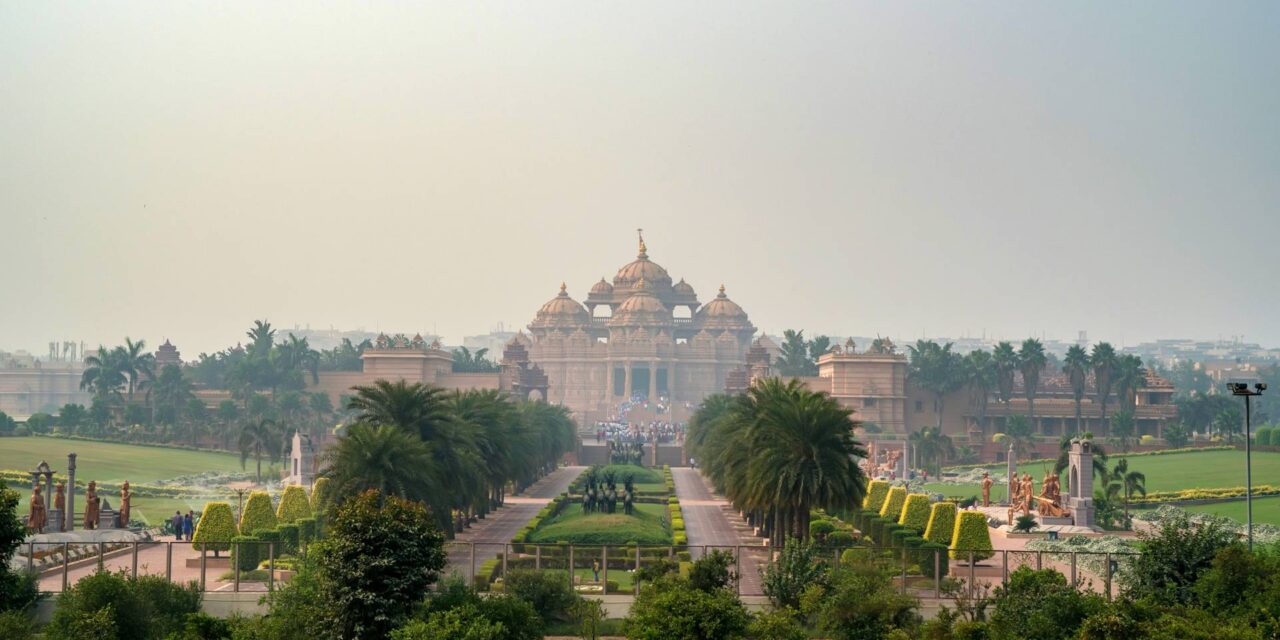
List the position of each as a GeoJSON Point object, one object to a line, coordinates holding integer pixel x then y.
{"type": "Point", "coordinates": [1080, 479]}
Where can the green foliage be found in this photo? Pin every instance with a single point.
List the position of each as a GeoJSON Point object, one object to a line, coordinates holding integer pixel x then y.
{"type": "Point", "coordinates": [915, 513]}
{"type": "Point", "coordinates": [672, 608]}
{"type": "Point", "coordinates": [942, 523]}
{"type": "Point", "coordinates": [644, 526]}
{"type": "Point", "coordinates": [289, 538]}
{"type": "Point", "coordinates": [378, 558]}
{"type": "Point", "coordinates": [1025, 523]}
{"type": "Point", "coordinates": [839, 539]}
{"type": "Point", "coordinates": [877, 491]}
{"type": "Point", "coordinates": [257, 513]}
{"type": "Point", "coordinates": [18, 591]}
{"type": "Point", "coordinates": [1264, 436]}
{"type": "Point", "coordinates": [145, 608]}
{"type": "Point", "coordinates": [16, 625]}
{"type": "Point", "coordinates": [518, 619]}
{"type": "Point", "coordinates": [320, 497]}
{"type": "Point", "coordinates": [859, 602]}
{"type": "Point", "coordinates": [711, 571]}
{"type": "Point", "coordinates": [308, 530]}
{"type": "Point", "coordinates": [798, 567]}
{"type": "Point", "coordinates": [247, 552]}
{"type": "Point", "coordinates": [779, 624]}
{"type": "Point", "coordinates": [464, 623]}
{"type": "Point", "coordinates": [1040, 604]}
{"type": "Point", "coordinates": [971, 534]}
{"type": "Point", "coordinates": [1173, 557]}
{"type": "Point", "coordinates": [892, 507]}
{"type": "Point", "coordinates": [818, 529]}
{"type": "Point", "coordinates": [216, 528]}
{"type": "Point", "coordinates": [548, 592]}
{"type": "Point", "coordinates": [926, 554]}
{"type": "Point", "coordinates": [294, 505]}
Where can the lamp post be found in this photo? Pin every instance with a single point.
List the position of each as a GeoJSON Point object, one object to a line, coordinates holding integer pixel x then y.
{"type": "Point", "coordinates": [1242, 389]}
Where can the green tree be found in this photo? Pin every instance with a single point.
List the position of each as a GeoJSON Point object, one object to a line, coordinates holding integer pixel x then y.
{"type": "Point", "coordinates": [799, 357]}
{"type": "Point", "coordinates": [17, 590]}
{"type": "Point", "coordinates": [1176, 435]}
{"type": "Point", "coordinates": [1129, 378]}
{"type": "Point", "coordinates": [256, 438]}
{"type": "Point", "coordinates": [103, 373]}
{"type": "Point", "coordinates": [981, 376]}
{"type": "Point", "coordinates": [1123, 429]}
{"type": "Point", "coordinates": [933, 448]}
{"type": "Point", "coordinates": [72, 416]}
{"type": "Point", "coordinates": [1031, 361]}
{"type": "Point", "coordinates": [1005, 360]}
{"type": "Point", "coordinates": [1017, 428]}
{"type": "Point", "coordinates": [936, 369]}
{"type": "Point", "coordinates": [136, 364]}
{"type": "Point", "coordinates": [1129, 482]}
{"type": "Point", "coordinates": [1173, 557]}
{"type": "Point", "coordinates": [464, 361]}
{"type": "Point", "coordinates": [380, 458]}
{"type": "Point", "coordinates": [1076, 367]}
{"type": "Point", "coordinates": [1040, 604]}
{"type": "Point", "coordinates": [416, 408]}
{"type": "Point", "coordinates": [1103, 360]}
{"type": "Point", "coordinates": [860, 602]}
{"type": "Point", "coordinates": [672, 608]}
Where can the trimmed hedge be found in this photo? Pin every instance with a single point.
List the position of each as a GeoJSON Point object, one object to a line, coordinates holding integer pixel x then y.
{"type": "Point", "coordinates": [971, 534]}
{"type": "Point", "coordinates": [216, 528]}
{"type": "Point", "coordinates": [877, 490]}
{"type": "Point", "coordinates": [942, 523]}
{"type": "Point", "coordinates": [320, 495]}
{"type": "Point", "coordinates": [257, 513]}
{"type": "Point", "coordinates": [893, 502]}
{"type": "Point", "coordinates": [840, 539]}
{"type": "Point", "coordinates": [247, 552]}
{"type": "Point", "coordinates": [308, 530]}
{"type": "Point", "coordinates": [272, 536]}
{"type": "Point", "coordinates": [915, 513]}
{"type": "Point", "coordinates": [927, 552]}
{"type": "Point", "coordinates": [289, 536]}
{"type": "Point", "coordinates": [294, 504]}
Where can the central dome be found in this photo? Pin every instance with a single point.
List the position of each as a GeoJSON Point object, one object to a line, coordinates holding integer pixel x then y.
{"type": "Point", "coordinates": [641, 308]}
{"type": "Point", "coordinates": [642, 268]}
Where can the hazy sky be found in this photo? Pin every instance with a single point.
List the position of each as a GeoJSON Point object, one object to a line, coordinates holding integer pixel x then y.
{"type": "Point", "coordinates": [177, 169]}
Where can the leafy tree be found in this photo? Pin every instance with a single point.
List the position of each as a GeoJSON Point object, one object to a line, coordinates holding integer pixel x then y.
{"type": "Point", "coordinates": [1005, 360]}
{"type": "Point", "coordinates": [860, 602]}
{"type": "Point", "coordinates": [104, 373]}
{"type": "Point", "coordinates": [72, 416]}
{"type": "Point", "coordinates": [344, 357]}
{"type": "Point", "coordinates": [1031, 361]}
{"type": "Point", "coordinates": [117, 606]}
{"type": "Point", "coordinates": [1173, 557]}
{"type": "Point", "coordinates": [1123, 428]}
{"type": "Point", "coordinates": [1017, 428]}
{"type": "Point", "coordinates": [17, 590]}
{"type": "Point", "coordinates": [1198, 411]}
{"type": "Point", "coordinates": [1040, 604]}
{"type": "Point", "coordinates": [798, 566]}
{"type": "Point", "coordinates": [981, 375]}
{"type": "Point", "coordinates": [936, 369]}
{"type": "Point", "coordinates": [799, 357]}
{"type": "Point", "coordinates": [1177, 435]}
{"type": "Point", "coordinates": [1229, 422]}
{"type": "Point", "coordinates": [1188, 378]}
{"type": "Point", "coordinates": [7, 424]}
{"type": "Point", "coordinates": [933, 448]}
{"type": "Point", "coordinates": [548, 592]}
{"type": "Point", "coordinates": [256, 438]}
{"type": "Point", "coordinates": [711, 571]}
{"type": "Point", "coordinates": [1076, 367]}
{"type": "Point", "coordinates": [381, 458]}
{"type": "Point", "coordinates": [672, 608]}
{"type": "Point", "coordinates": [378, 558]}
{"type": "Point", "coordinates": [464, 361]}
{"type": "Point", "coordinates": [1129, 377]}
{"type": "Point", "coordinates": [1103, 360]}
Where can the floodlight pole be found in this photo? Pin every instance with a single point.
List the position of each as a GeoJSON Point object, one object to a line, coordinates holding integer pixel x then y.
{"type": "Point", "coordinates": [1241, 389]}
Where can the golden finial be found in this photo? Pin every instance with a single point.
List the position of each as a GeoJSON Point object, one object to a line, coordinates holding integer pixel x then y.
{"type": "Point", "coordinates": [643, 251]}
{"type": "Point", "coordinates": [562, 287]}
{"type": "Point", "coordinates": [722, 290]}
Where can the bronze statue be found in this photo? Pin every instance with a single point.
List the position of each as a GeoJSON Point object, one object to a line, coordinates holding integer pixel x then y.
{"type": "Point", "coordinates": [37, 517]}
{"type": "Point", "coordinates": [60, 503]}
{"type": "Point", "coordinates": [1028, 492]}
{"type": "Point", "coordinates": [91, 502]}
{"type": "Point", "coordinates": [986, 489]}
{"type": "Point", "coordinates": [124, 504]}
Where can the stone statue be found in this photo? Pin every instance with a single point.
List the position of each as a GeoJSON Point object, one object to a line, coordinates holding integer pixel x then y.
{"type": "Point", "coordinates": [91, 503]}
{"type": "Point", "coordinates": [37, 516]}
{"type": "Point", "coordinates": [986, 489]}
{"type": "Point", "coordinates": [124, 504]}
{"type": "Point", "coordinates": [1028, 492]}
{"type": "Point", "coordinates": [60, 503]}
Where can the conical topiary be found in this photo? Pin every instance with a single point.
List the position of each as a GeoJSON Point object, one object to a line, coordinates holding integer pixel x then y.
{"type": "Point", "coordinates": [915, 513]}
{"type": "Point", "coordinates": [320, 496]}
{"type": "Point", "coordinates": [216, 528]}
{"type": "Point", "coordinates": [876, 492]}
{"type": "Point", "coordinates": [942, 523]}
{"type": "Point", "coordinates": [257, 514]}
{"type": "Point", "coordinates": [294, 504]}
{"type": "Point", "coordinates": [892, 507]}
{"type": "Point", "coordinates": [971, 535]}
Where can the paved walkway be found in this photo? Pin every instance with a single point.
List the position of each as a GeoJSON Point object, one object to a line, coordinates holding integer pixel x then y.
{"type": "Point", "coordinates": [489, 536]}
{"type": "Point", "coordinates": [710, 522]}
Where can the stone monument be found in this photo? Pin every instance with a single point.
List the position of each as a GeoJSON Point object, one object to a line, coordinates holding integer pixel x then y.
{"type": "Point", "coordinates": [301, 462]}
{"type": "Point", "coordinates": [1011, 461]}
{"type": "Point", "coordinates": [70, 517]}
{"type": "Point", "coordinates": [1080, 477]}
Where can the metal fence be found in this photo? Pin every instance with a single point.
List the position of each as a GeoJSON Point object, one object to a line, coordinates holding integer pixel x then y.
{"type": "Point", "coordinates": [591, 569]}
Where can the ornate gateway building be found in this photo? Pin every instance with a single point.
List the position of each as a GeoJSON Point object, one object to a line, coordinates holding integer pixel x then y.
{"type": "Point", "coordinates": [640, 335]}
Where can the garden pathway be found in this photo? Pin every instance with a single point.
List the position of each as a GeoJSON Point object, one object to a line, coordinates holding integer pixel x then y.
{"type": "Point", "coordinates": [491, 534]}
{"type": "Point", "coordinates": [710, 522]}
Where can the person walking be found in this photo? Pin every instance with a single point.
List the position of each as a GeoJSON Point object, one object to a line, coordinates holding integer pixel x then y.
{"type": "Point", "coordinates": [176, 521]}
{"type": "Point", "coordinates": [188, 526]}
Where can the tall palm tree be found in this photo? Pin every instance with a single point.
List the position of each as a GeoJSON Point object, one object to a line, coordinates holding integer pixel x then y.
{"type": "Point", "coordinates": [1103, 360]}
{"type": "Point", "coordinates": [1130, 482]}
{"type": "Point", "coordinates": [1129, 377]}
{"type": "Point", "coordinates": [382, 457]}
{"type": "Point", "coordinates": [933, 447]}
{"type": "Point", "coordinates": [1005, 360]}
{"type": "Point", "coordinates": [980, 373]}
{"type": "Point", "coordinates": [1018, 429]}
{"type": "Point", "coordinates": [261, 337]}
{"type": "Point", "coordinates": [935, 368]}
{"type": "Point", "coordinates": [1064, 460]}
{"type": "Point", "coordinates": [258, 437]}
{"type": "Point", "coordinates": [1031, 361]}
{"type": "Point", "coordinates": [1076, 366]}
{"type": "Point", "coordinates": [136, 364]}
{"type": "Point", "coordinates": [415, 407]}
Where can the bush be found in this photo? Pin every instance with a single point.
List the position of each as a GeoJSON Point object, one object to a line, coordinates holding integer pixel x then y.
{"type": "Point", "coordinates": [1025, 523]}
{"type": "Point", "coordinates": [671, 608]}
{"type": "Point", "coordinates": [711, 571]}
{"type": "Point", "coordinates": [840, 539]}
{"type": "Point", "coordinates": [294, 504]}
{"type": "Point", "coordinates": [877, 491]}
{"type": "Point", "coordinates": [818, 529]}
{"type": "Point", "coordinates": [257, 513]}
{"type": "Point", "coordinates": [16, 625]}
{"type": "Point", "coordinates": [971, 534]}
{"type": "Point", "coordinates": [548, 591]}
{"type": "Point", "coordinates": [112, 605]}
{"type": "Point", "coordinates": [1041, 605]}
{"type": "Point", "coordinates": [915, 513]}
{"type": "Point", "coordinates": [320, 496]}
{"type": "Point", "coordinates": [860, 602]}
{"type": "Point", "coordinates": [463, 623]}
{"type": "Point", "coordinates": [215, 529]}
{"type": "Point", "coordinates": [247, 552]}
{"type": "Point", "coordinates": [270, 537]}
{"type": "Point", "coordinates": [892, 507]}
{"type": "Point", "coordinates": [779, 624]}
{"type": "Point", "coordinates": [797, 568]}
{"type": "Point", "coordinates": [308, 530]}
{"type": "Point", "coordinates": [926, 553]}
{"type": "Point", "coordinates": [1173, 557]}
{"type": "Point", "coordinates": [289, 538]}
{"type": "Point", "coordinates": [942, 523]}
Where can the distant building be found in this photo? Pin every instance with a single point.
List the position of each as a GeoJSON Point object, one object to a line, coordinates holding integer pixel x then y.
{"type": "Point", "coordinates": [29, 385]}
{"type": "Point", "coordinates": [167, 355]}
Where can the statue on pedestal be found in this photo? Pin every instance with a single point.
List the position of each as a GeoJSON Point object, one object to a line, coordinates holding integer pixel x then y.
{"type": "Point", "coordinates": [91, 503]}
{"type": "Point", "coordinates": [986, 489]}
{"type": "Point", "coordinates": [37, 516]}
{"type": "Point", "coordinates": [124, 504]}
{"type": "Point", "coordinates": [60, 503]}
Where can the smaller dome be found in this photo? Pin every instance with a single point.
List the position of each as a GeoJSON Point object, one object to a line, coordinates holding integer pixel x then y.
{"type": "Point", "coordinates": [683, 288]}
{"type": "Point", "coordinates": [561, 311]}
{"type": "Point", "coordinates": [723, 313]}
{"type": "Point", "coordinates": [601, 288]}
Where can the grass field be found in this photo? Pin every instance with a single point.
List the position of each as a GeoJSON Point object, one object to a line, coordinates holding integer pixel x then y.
{"type": "Point", "coordinates": [1174, 472]}
{"type": "Point", "coordinates": [647, 526]}
{"type": "Point", "coordinates": [1265, 510]}
{"type": "Point", "coordinates": [113, 462]}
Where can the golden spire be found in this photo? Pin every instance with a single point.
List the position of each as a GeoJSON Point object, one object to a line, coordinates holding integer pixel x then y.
{"type": "Point", "coordinates": [562, 288]}
{"type": "Point", "coordinates": [643, 252]}
{"type": "Point", "coordinates": [722, 290]}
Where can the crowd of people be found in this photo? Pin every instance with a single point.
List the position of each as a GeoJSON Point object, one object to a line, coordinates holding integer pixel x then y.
{"type": "Point", "coordinates": [619, 429]}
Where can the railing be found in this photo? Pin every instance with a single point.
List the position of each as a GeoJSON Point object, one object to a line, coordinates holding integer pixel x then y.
{"type": "Point", "coordinates": [596, 569]}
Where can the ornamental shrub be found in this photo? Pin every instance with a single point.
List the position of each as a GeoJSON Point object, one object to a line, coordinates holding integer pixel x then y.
{"type": "Point", "coordinates": [893, 502]}
{"type": "Point", "coordinates": [927, 552]}
{"type": "Point", "coordinates": [289, 536]}
{"type": "Point", "coordinates": [320, 496]}
{"type": "Point", "coordinates": [839, 539]}
{"type": "Point", "coordinates": [216, 528]}
{"type": "Point", "coordinates": [293, 504]}
{"type": "Point", "coordinates": [307, 530]}
{"type": "Point", "coordinates": [1264, 436]}
{"type": "Point", "coordinates": [915, 513]}
{"type": "Point", "coordinates": [942, 523]}
{"type": "Point", "coordinates": [971, 534]}
{"type": "Point", "coordinates": [247, 552]}
{"type": "Point", "coordinates": [269, 537]}
{"type": "Point", "coordinates": [257, 513]}
{"type": "Point", "coordinates": [876, 492]}
{"type": "Point", "coordinates": [819, 529]}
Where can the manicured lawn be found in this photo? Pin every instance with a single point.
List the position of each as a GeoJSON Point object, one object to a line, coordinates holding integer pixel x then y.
{"type": "Point", "coordinates": [111, 462]}
{"type": "Point", "coordinates": [647, 526]}
{"type": "Point", "coordinates": [1265, 510]}
{"type": "Point", "coordinates": [640, 475]}
{"type": "Point", "coordinates": [1174, 472]}
{"type": "Point", "coordinates": [965, 490]}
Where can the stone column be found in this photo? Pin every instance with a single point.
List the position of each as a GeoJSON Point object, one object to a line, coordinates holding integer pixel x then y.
{"type": "Point", "coordinates": [70, 516]}
{"type": "Point", "coordinates": [626, 385]}
{"type": "Point", "coordinates": [608, 381]}
{"type": "Point", "coordinates": [1011, 463]}
{"type": "Point", "coordinates": [48, 493]}
{"type": "Point", "coordinates": [653, 380]}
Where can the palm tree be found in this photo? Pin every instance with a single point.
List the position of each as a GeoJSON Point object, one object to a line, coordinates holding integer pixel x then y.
{"type": "Point", "coordinates": [417, 407]}
{"type": "Point", "coordinates": [980, 373]}
{"type": "Point", "coordinates": [1122, 428]}
{"type": "Point", "coordinates": [1099, 457]}
{"type": "Point", "coordinates": [170, 393]}
{"type": "Point", "coordinates": [1076, 366]}
{"type": "Point", "coordinates": [933, 448]}
{"type": "Point", "coordinates": [937, 369]}
{"type": "Point", "coordinates": [261, 337]}
{"type": "Point", "coordinates": [1005, 360]}
{"type": "Point", "coordinates": [1031, 361]}
{"type": "Point", "coordinates": [103, 373]}
{"type": "Point", "coordinates": [382, 457]}
{"type": "Point", "coordinates": [1018, 429]}
{"type": "Point", "coordinates": [1130, 482]}
{"type": "Point", "coordinates": [135, 363]}
{"type": "Point", "coordinates": [227, 412]}
{"type": "Point", "coordinates": [258, 437]}
{"type": "Point", "coordinates": [1103, 360]}
{"type": "Point", "coordinates": [1129, 377]}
